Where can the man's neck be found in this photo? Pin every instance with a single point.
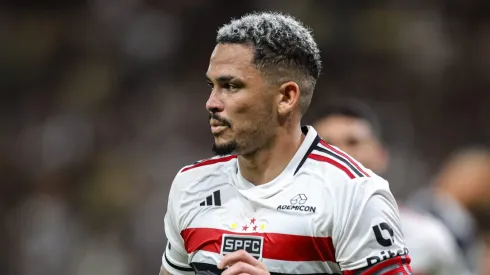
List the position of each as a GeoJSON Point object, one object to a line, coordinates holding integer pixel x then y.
{"type": "Point", "coordinates": [266, 164]}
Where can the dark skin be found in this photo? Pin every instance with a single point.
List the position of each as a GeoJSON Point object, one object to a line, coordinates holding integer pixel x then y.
{"type": "Point", "coordinates": [241, 262]}
{"type": "Point", "coordinates": [264, 117]}
{"type": "Point", "coordinates": [261, 118]}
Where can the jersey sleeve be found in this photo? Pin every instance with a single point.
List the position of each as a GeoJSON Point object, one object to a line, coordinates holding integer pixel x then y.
{"type": "Point", "coordinates": [367, 233]}
{"type": "Point", "coordinates": [175, 257]}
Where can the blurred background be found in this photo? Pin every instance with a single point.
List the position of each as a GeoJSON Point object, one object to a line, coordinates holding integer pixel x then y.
{"type": "Point", "coordinates": [102, 101]}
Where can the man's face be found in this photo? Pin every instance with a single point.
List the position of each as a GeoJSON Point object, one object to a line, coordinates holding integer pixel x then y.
{"type": "Point", "coordinates": [355, 137]}
{"type": "Point", "coordinates": [241, 104]}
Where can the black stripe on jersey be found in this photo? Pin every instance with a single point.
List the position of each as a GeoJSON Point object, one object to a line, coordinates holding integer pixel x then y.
{"type": "Point", "coordinates": [210, 269]}
{"type": "Point", "coordinates": [209, 200]}
{"type": "Point", "coordinates": [340, 158]}
{"type": "Point", "coordinates": [312, 147]}
{"type": "Point", "coordinates": [217, 198]}
{"type": "Point", "coordinates": [176, 266]}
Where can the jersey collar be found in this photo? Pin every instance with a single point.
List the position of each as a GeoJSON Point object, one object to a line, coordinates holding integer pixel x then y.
{"type": "Point", "coordinates": [286, 177]}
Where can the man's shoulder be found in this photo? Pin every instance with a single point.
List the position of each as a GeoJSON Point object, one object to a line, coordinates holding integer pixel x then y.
{"type": "Point", "coordinates": [209, 164]}
{"type": "Point", "coordinates": [202, 174]}
{"type": "Point", "coordinates": [205, 167]}
{"type": "Point", "coordinates": [337, 169]}
{"type": "Point", "coordinates": [331, 161]}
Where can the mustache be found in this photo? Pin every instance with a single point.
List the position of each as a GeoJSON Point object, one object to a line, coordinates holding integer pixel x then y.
{"type": "Point", "coordinates": [222, 120]}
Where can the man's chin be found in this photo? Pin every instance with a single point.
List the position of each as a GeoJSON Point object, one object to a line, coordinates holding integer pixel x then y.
{"type": "Point", "coordinates": [226, 148]}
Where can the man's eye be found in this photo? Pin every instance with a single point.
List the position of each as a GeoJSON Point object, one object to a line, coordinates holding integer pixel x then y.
{"type": "Point", "coordinates": [210, 84]}
{"type": "Point", "coordinates": [229, 86]}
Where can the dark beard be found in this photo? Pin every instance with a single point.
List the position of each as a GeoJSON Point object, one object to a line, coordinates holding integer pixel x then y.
{"type": "Point", "coordinates": [224, 149]}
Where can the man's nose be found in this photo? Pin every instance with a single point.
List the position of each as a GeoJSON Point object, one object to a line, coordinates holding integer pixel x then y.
{"type": "Point", "coordinates": [214, 104]}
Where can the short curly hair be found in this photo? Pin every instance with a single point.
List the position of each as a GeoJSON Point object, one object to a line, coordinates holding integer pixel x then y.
{"type": "Point", "coordinates": [284, 49]}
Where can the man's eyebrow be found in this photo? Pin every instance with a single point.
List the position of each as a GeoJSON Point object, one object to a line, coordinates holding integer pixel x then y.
{"type": "Point", "coordinates": [222, 78]}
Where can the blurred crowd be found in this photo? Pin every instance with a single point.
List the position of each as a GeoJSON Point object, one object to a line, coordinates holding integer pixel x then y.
{"type": "Point", "coordinates": [102, 102]}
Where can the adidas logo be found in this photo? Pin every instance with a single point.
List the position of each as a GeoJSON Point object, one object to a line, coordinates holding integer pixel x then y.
{"type": "Point", "coordinates": [214, 199]}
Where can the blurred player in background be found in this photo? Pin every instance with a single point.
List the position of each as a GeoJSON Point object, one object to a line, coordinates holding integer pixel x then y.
{"type": "Point", "coordinates": [353, 127]}
{"type": "Point", "coordinates": [277, 199]}
{"type": "Point", "coordinates": [460, 197]}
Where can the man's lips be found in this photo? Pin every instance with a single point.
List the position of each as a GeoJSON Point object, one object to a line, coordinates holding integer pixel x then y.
{"type": "Point", "coordinates": [216, 129]}
{"type": "Point", "coordinates": [216, 126]}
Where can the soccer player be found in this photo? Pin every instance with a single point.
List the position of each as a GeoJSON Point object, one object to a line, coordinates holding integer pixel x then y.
{"type": "Point", "coordinates": [353, 127]}
{"type": "Point", "coordinates": [276, 199]}
{"type": "Point", "coordinates": [458, 197]}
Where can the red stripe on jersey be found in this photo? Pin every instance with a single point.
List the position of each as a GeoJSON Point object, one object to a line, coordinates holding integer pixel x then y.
{"type": "Point", "coordinates": [345, 156]}
{"type": "Point", "coordinates": [209, 162]}
{"type": "Point", "coordinates": [398, 263]}
{"type": "Point", "coordinates": [333, 162]}
{"type": "Point", "coordinates": [276, 246]}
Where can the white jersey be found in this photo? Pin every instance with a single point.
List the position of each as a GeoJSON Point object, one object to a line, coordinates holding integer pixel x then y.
{"type": "Point", "coordinates": [433, 249]}
{"type": "Point", "coordinates": [325, 213]}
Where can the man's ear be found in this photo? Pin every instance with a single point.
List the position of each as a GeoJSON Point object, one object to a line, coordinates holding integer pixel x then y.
{"type": "Point", "coordinates": [288, 97]}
